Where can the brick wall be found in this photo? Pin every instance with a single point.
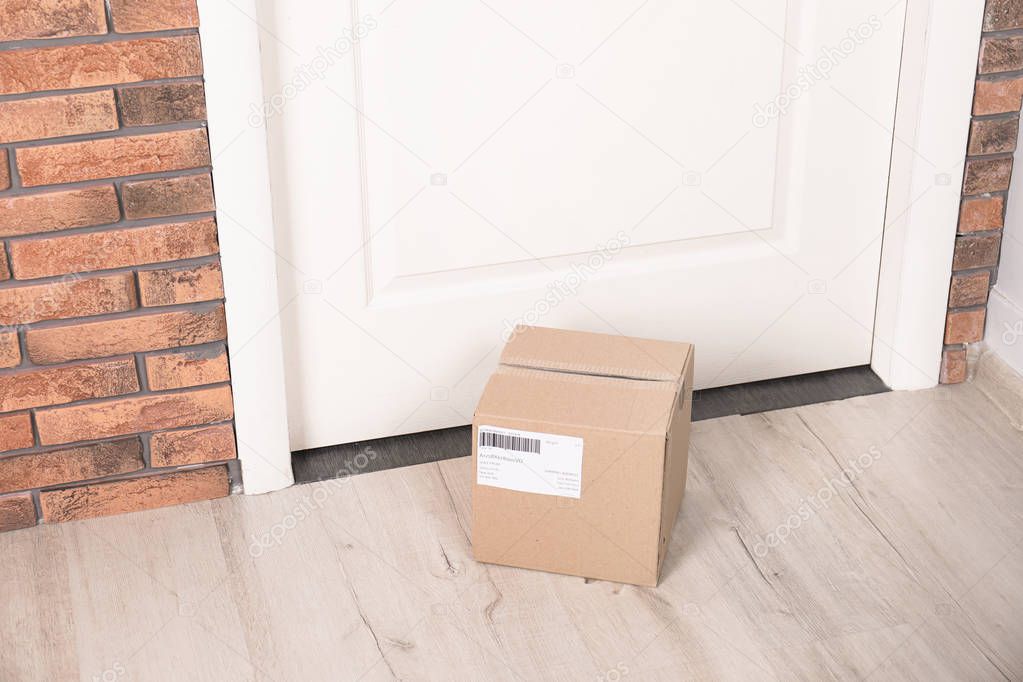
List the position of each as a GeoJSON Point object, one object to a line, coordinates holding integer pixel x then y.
{"type": "Point", "coordinates": [114, 384]}
{"type": "Point", "coordinates": [993, 133]}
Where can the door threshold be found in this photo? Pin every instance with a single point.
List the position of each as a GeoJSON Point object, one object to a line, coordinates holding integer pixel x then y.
{"type": "Point", "coordinates": [338, 461]}
{"type": "Point", "coordinates": [778, 394]}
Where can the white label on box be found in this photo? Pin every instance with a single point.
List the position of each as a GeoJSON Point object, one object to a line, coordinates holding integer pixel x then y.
{"type": "Point", "coordinates": [529, 462]}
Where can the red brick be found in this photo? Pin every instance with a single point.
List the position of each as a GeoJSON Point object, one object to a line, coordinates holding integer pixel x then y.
{"type": "Point", "coordinates": [1002, 54]}
{"type": "Point", "coordinates": [51, 345]}
{"type": "Point", "coordinates": [56, 467]}
{"type": "Point", "coordinates": [29, 19]}
{"type": "Point", "coordinates": [113, 249]}
{"type": "Point", "coordinates": [993, 136]}
{"type": "Point", "coordinates": [94, 64]}
{"type": "Point", "coordinates": [122, 416]}
{"type": "Point", "coordinates": [5, 269]}
{"type": "Point", "coordinates": [191, 284]}
{"type": "Point", "coordinates": [10, 352]}
{"type": "Point", "coordinates": [964, 326]}
{"type": "Point", "coordinates": [194, 446]}
{"type": "Point", "coordinates": [51, 211]}
{"type": "Point", "coordinates": [59, 385]}
{"type": "Point", "coordinates": [15, 432]}
{"type": "Point", "coordinates": [135, 16]}
{"type": "Point", "coordinates": [953, 366]}
{"type": "Point", "coordinates": [112, 157]}
{"type": "Point", "coordinates": [168, 197]}
{"type": "Point", "coordinates": [42, 117]}
{"type": "Point", "coordinates": [5, 171]}
{"type": "Point", "coordinates": [137, 494]}
{"type": "Point", "coordinates": [982, 213]}
{"type": "Point", "coordinates": [187, 368]}
{"type": "Point", "coordinates": [67, 297]}
{"type": "Point", "coordinates": [150, 105]}
{"type": "Point", "coordinates": [1000, 15]}
{"type": "Point", "coordinates": [969, 289]}
{"type": "Point", "coordinates": [987, 175]}
{"type": "Point", "coordinates": [16, 512]}
{"type": "Point", "coordinates": [976, 252]}
{"type": "Point", "coordinates": [998, 96]}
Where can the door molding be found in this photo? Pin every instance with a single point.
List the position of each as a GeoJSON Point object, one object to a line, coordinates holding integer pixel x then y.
{"type": "Point", "coordinates": [939, 65]}
{"type": "Point", "coordinates": [934, 104]}
{"type": "Point", "coordinates": [241, 177]}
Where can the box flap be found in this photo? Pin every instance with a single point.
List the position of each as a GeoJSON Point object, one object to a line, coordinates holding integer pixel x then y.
{"type": "Point", "coordinates": [597, 354]}
{"type": "Point", "coordinates": [540, 397]}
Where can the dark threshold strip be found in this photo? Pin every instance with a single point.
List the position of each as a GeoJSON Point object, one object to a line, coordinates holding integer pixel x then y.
{"type": "Point", "coordinates": [336, 461]}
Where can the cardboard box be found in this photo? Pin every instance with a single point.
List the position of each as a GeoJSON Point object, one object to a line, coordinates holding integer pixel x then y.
{"type": "Point", "coordinates": [580, 448]}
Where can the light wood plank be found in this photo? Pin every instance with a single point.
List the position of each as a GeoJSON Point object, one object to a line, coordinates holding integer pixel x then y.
{"type": "Point", "coordinates": [36, 622]}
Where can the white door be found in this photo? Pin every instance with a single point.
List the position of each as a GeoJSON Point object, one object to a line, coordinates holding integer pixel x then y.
{"type": "Point", "coordinates": [712, 172]}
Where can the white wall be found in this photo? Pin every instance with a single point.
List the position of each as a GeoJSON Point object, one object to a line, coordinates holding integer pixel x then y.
{"type": "Point", "coordinates": [1005, 310]}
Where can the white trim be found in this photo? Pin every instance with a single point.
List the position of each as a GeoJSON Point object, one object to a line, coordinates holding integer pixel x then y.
{"type": "Point", "coordinates": [241, 177]}
{"type": "Point", "coordinates": [935, 96]}
{"type": "Point", "coordinates": [1003, 332]}
{"type": "Point", "coordinates": [939, 65]}
{"type": "Point", "coordinates": [1004, 320]}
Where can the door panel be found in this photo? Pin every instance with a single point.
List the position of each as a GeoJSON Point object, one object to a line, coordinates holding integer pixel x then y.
{"type": "Point", "coordinates": [468, 165]}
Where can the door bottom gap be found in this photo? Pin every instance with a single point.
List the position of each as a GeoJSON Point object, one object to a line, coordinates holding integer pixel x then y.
{"type": "Point", "coordinates": [340, 461]}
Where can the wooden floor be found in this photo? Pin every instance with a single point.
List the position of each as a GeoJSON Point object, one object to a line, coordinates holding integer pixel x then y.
{"type": "Point", "coordinates": [777, 570]}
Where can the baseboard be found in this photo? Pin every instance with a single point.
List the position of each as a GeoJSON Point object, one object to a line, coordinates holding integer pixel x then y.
{"type": "Point", "coordinates": [1001, 383]}
{"type": "Point", "coordinates": [1004, 329]}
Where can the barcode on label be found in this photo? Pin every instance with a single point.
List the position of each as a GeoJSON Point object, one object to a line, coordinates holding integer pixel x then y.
{"type": "Point", "coordinates": [507, 442]}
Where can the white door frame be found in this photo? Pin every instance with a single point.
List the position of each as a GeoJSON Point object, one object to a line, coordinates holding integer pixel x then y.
{"type": "Point", "coordinates": [934, 104]}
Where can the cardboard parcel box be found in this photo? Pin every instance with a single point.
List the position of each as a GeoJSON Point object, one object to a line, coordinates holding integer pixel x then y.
{"type": "Point", "coordinates": [580, 448]}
